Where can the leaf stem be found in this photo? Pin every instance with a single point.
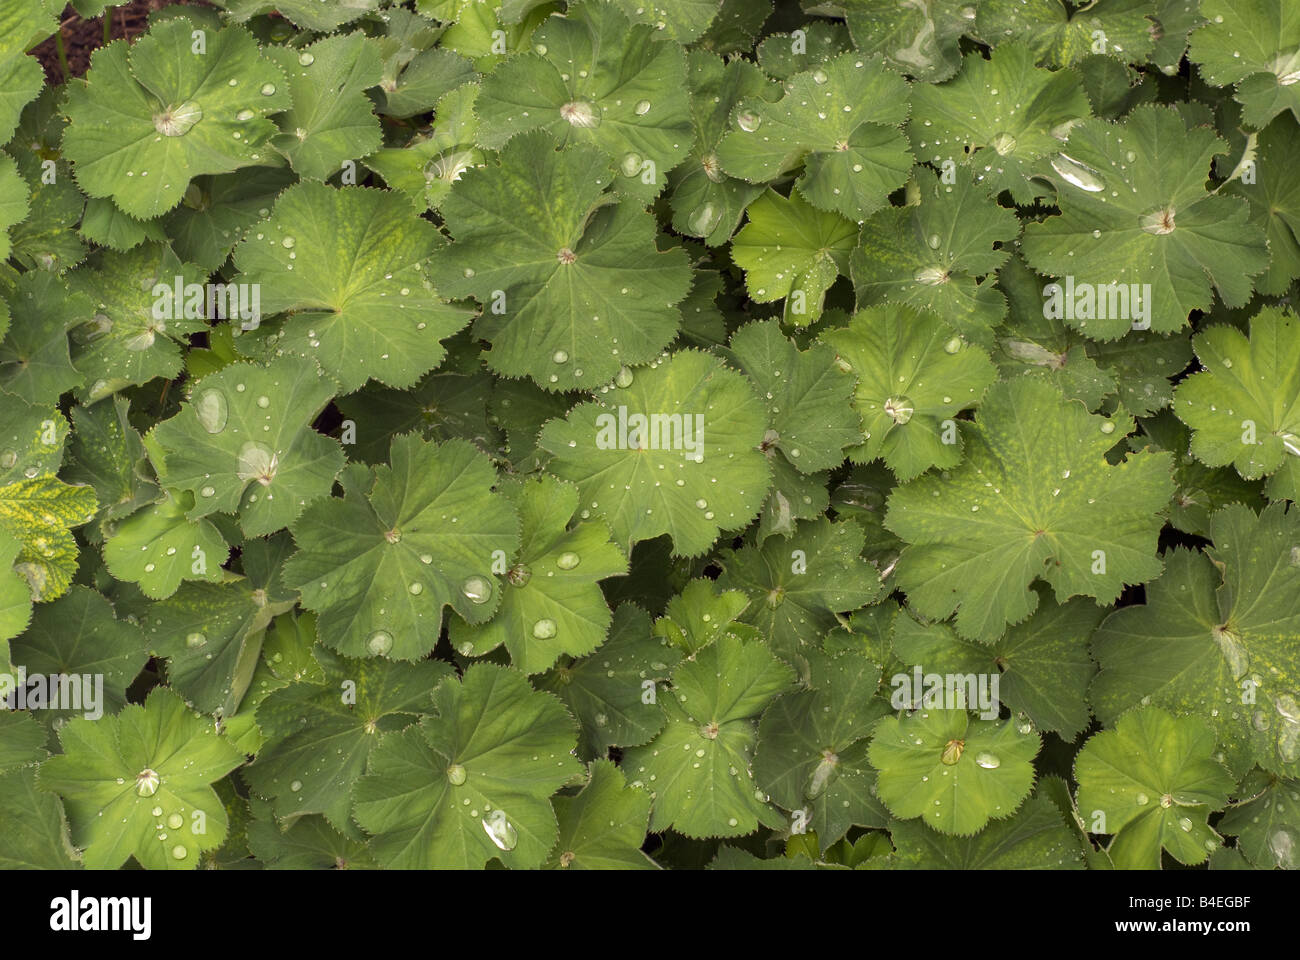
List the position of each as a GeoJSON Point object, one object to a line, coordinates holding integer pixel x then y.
{"type": "Point", "coordinates": [108, 24]}
{"type": "Point", "coordinates": [63, 56]}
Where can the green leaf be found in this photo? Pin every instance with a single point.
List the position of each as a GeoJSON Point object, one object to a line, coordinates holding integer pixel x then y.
{"type": "Point", "coordinates": [1273, 203]}
{"type": "Point", "coordinates": [13, 197]}
{"type": "Point", "coordinates": [244, 444]}
{"type": "Point", "coordinates": [135, 328]}
{"type": "Point", "coordinates": [1244, 404]}
{"type": "Point", "coordinates": [551, 603]}
{"type": "Point", "coordinates": [1034, 839]}
{"type": "Point", "coordinates": [107, 454]}
{"type": "Point", "coordinates": [495, 742]}
{"type": "Point", "coordinates": [1154, 784]}
{"type": "Point", "coordinates": [913, 376]}
{"type": "Point", "coordinates": [211, 635]}
{"type": "Point", "coordinates": [603, 827]}
{"type": "Point", "coordinates": [997, 117]}
{"type": "Point", "coordinates": [1252, 45]}
{"type": "Point", "coordinates": [34, 360]}
{"type": "Point", "coordinates": [418, 535]}
{"type": "Point", "coordinates": [115, 772]}
{"type": "Point", "coordinates": [930, 256]}
{"type": "Point", "coordinates": [797, 586]}
{"type": "Point", "coordinates": [1061, 36]}
{"type": "Point", "coordinates": [674, 451]}
{"type": "Point", "coordinates": [79, 639]}
{"type": "Point", "coordinates": [1136, 225]}
{"type": "Point", "coordinates": [612, 692]}
{"type": "Point", "coordinates": [790, 250]}
{"type": "Point", "coordinates": [812, 749]}
{"type": "Point", "coordinates": [594, 78]}
{"type": "Point", "coordinates": [1266, 826]}
{"type": "Point", "coordinates": [309, 843]}
{"type": "Point", "coordinates": [1215, 640]}
{"type": "Point", "coordinates": [36, 833]}
{"type": "Point", "coordinates": [320, 735]}
{"type": "Point", "coordinates": [920, 40]}
{"type": "Point", "coordinates": [1035, 498]}
{"type": "Point", "coordinates": [158, 547]}
{"type": "Point", "coordinates": [954, 772]}
{"type": "Point", "coordinates": [308, 14]}
{"type": "Point", "coordinates": [698, 770]}
{"type": "Point", "coordinates": [840, 121]}
{"type": "Point", "coordinates": [571, 281]}
{"type": "Point", "coordinates": [706, 202]}
{"type": "Point", "coordinates": [683, 20]}
{"type": "Point", "coordinates": [808, 395]}
{"type": "Point", "coordinates": [347, 266]}
{"type": "Point", "coordinates": [331, 121]}
{"type": "Point", "coordinates": [1041, 665]}
{"type": "Point", "coordinates": [150, 117]}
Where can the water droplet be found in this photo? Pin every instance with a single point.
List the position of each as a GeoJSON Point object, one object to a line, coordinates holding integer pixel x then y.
{"type": "Point", "coordinates": [306, 59]}
{"type": "Point", "coordinates": [560, 356]}
{"type": "Point", "coordinates": [456, 774]}
{"type": "Point", "coordinates": [175, 821]}
{"type": "Point", "coordinates": [704, 219]}
{"type": "Point", "coordinates": [207, 491]}
{"type": "Point", "coordinates": [567, 560]}
{"type": "Point", "coordinates": [380, 642]}
{"type": "Point", "coordinates": [988, 761]}
{"type": "Point", "coordinates": [1003, 144]}
{"type": "Point", "coordinates": [179, 852]}
{"type": "Point", "coordinates": [1078, 174]}
{"type": "Point", "coordinates": [899, 409]}
{"type": "Point", "coordinates": [477, 590]}
{"type": "Point", "coordinates": [642, 108]}
{"type": "Point", "coordinates": [195, 640]}
{"type": "Point", "coordinates": [178, 120]}
{"type": "Point", "coordinates": [581, 113]}
{"type": "Point", "coordinates": [1142, 799]}
{"type": "Point", "coordinates": [748, 121]}
{"type": "Point", "coordinates": [212, 410]}
{"type": "Point", "coordinates": [500, 831]}
{"type": "Point", "coordinates": [630, 164]}
{"type": "Point", "coordinates": [146, 782]}
{"type": "Point", "coordinates": [268, 89]}
{"type": "Point", "coordinates": [544, 629]}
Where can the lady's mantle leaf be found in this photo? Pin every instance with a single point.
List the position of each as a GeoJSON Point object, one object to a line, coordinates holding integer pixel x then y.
{"type": "Point", "coordinates": [496, 743]}
{"type": "Point", "coordinates": [136, 784]}
{"type": "Point", "coordinates": [1275, 202]}
{"type": "Point", "coordinates": [150, 117]}
{"type": "Point", "coordinates": [1034, 839]}
{"type": "Point", "coordinates": [159, 546]}
{"type": "Point", "coordinates": [1152, 782]}
{"type": "Point", "coordinates": [706, 202]}
{"type": "Point", "coordinates": [930, 256]}
{"type": "Point", "coordinates": [1216, 640]}
{"type": "Point", "coordinates": [331, 121]}
{"type": "Point", "coordinates": [34, 360]}
{"type": "Point", "coordinates": [998, 117]}
{"type": "Point", "coordinates": [1034, 498]}
{"type": "Point", "coordinates": [812, 748]}
{"type": "Point", "coordinates": [1254, 44]}
{"type": "Point", "coordinates": [673, 451]}
{"type": "Point", "coordinates": [790, 250]}
{"type": "Point", "coordinates": [551, 603]}
{"type": "Point", "coordinates": [699, 769]}
{"type": "Point", "coordinates": [611, 691]}
{"type": "Point", "coordinates": [840, 121]}
{"type": "Point", "coordinates": [570, 279]}
{"type": "Point", "coordinates": [593, 78]}
{"type": "Point", "coordinates": [319, 739]}
{"type": "Point", "coordinates": [919, 39]}
{"type": "Point", "coordinates": [1267, 827]}
{"type": "Point", "coordinates": [244, 444]}
{"type": "Point", "coordinates": [604, 826]}
{"type": "Point", "coordinates": [913, 376]}
{"type": "Point", "coordinates": [1135, 213]}
{"type": "Point", "coordinates": [797, 586]}
{"type": "Point", "coordinates": [1244, 405]}
{"type": "Point", "coordinates": [954, 772]}
{"type": "Point", "coordinates": [379, 564]}
{"type": "Point", "coordinates": [1061, 36]}
{"type": "Point", "coordinates": [348, 266]}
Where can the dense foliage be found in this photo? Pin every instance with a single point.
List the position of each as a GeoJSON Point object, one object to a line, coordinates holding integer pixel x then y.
{"type": "Point", "coordinates": [631, 434]}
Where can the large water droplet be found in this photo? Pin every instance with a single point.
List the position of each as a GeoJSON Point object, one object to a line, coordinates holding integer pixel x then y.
{"type": "Point", "coordinates": [1003, 144]}
{"type": "Point", "coordinates": [630, 164]}
{"type": "Point", "coordinates": [500, 831]}
{"type": "Point", "coordinates": [195, 640]}
{"type": "Point", "coordinates": [642, 108]}
{"type": "Point", "coordinates": [178, 120]}
{"type": "Point", "coordinates": [146, 782]}
{"type": "Point", "coordinates": [704, 219]}
{"type": "Point", "coordinates": [899, 409]}
{"type": "Point", "coordinates": [623, 378]}
{"type": "Point", "coordinates": [268, 89]}
{"type": "Point", "coordinates": [1233, 652]}
{"type": "Point", "coordinates": [477, 589]}
{"type": "Point", "coordinates": [748, 121]}
{"type": "Point", "coordinates": [456, 774]}
{"type": "Point", "coordinates": [306, 59]}
{"type": "Point", "coordinates": [380, 642]}
{"type": "Point", "coordinates": [179, 852]}
{"type": "Point", "coordinates": [820, 776]}
{"type": "Point", "coordinates": [544, 629]}
{"type": "Point", "coordinates": [989, 761]}
{"type": "Point", "coordinates": [257, 462]}
{"type": "Point", "coordinates": [212, 410]}
{"type": "Point", "coordinates": [567, 560]}
{"type": "Point", "coordinates": [1078, 174]}
{"type": "Point", "coordinates": [175, 821]}
{"type": "Point", "coordinates": [581, 113]}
